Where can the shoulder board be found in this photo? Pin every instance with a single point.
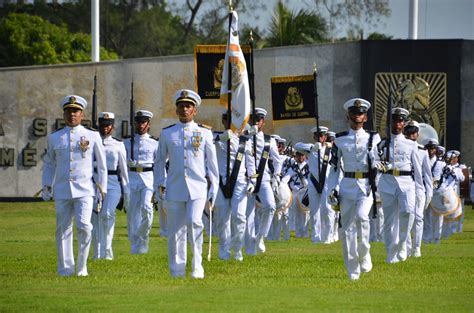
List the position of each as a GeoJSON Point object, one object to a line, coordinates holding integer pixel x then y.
{"type": "Point", "coordinates": [57, 130]}
{"type": "Point", "coordinates": [116, 139]}
{"type": "Point", "coordinates": [205, 126]}
{"type": "Point", "coordinates": [154, 137]}
{"type": "Point", "coordinates": [371, 132]}
{"type": "Point", "coordinates": [421, 147]}
{"type": "Point", "coordinates": [218, 132]}
{"type": "Point", "coordinates": [169, 126]}
{"type": "Point", "coordinates": [91, 129]}
{"type": "Point", "coordinates": [342, 134]}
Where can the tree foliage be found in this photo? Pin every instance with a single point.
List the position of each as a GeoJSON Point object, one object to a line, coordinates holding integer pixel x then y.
{"type": "Point", "coordinates": [30, 40]}
{"type": "Point", "coordinates": [294, 28]}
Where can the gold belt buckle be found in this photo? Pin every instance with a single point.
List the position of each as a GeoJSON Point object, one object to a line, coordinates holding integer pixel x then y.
{"type": "Point", "coordinates": [396, 172]}
{"type": "Point", "coordinates": [139, 169]}
{"type": "Point", "coordinates": [359, 175]}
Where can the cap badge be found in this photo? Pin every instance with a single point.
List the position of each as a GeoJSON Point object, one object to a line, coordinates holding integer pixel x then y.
{"type": "Point", "coordinates": [72, 99]}
{"type": "Point", "coordinates": [106, 116]}
{"type": "Point", "coordinates": [139, 113]}
{"type": "Point", "coordinates": [184, 94]}
{"type": "Point", "coordinates": [357, 103]}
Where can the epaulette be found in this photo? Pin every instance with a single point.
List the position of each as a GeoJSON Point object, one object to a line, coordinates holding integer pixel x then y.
{"type": "Point", "coordinates": [421, 147]}
{"type": "Point", "coordinates": [342, 134]}
{"type": "Point", "coordinates": [116, 139]}
{"type": "Point", "coordinates": [57, 130]}
{"type": "Point", "coordinates": [156, 138]}
{"type": "Point", "coordinates": [90, 128]}
{"type": "Point", "coordinates": [205, 126]}
{"type": "Point", "coordinates": [371, 131]}
{"type": "Point", "coordinates": [169, 126]}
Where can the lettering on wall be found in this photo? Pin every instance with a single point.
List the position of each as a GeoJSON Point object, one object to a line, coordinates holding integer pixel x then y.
{"type": "Point", "coordinates": [29, 156]}
{"type": "Point", "coordinates": [7, 156]}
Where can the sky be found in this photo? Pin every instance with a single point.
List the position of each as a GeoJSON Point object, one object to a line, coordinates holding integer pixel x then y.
{"type": "Point", "coordinates": [437, 19]}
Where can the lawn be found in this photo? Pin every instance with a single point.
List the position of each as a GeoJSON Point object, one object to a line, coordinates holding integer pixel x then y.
{"type": "Point", "coordinates": [293, 276]}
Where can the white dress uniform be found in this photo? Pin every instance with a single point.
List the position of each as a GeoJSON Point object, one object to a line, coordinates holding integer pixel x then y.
{"type": "Point", "coordinates": [192, 162]}
{"type": "Point", "coordinates": [398, 191]}
{"type": "Point", "coordinates": [297, 179]}
{"type": "Point", "coordinates": [350, 176]}
{"type": "Point", "coordinates": [430, 217]}
{"type": "Point", "coordinates": [140, 211]}
{"type": "Point", "coordinates": [320, 214]}
{"type": "Point", "coordinates": [231, 211]}
{"type": "Point", "coordinates": [254, 234]}
{"type": "Point", "coordinates": [117, 182]}
{"type": "Point", "coordinates": [69, 163]}
{"type": "Point", "coordinates": [417, 229]}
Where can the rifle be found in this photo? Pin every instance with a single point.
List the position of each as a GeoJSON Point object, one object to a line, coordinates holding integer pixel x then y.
{"type": "Point", "coordinates": [388, 130]}
{"type": "Point", "coordinates": [316, 111]}
{"type": "Point", "coordinates": [252, 93]}
{"type": "Point", "coordinates": [132, 123]}
{"type": "Point", "coordinates": [94, 103]}
{"type": "Point", "coordinates": [229, 115]}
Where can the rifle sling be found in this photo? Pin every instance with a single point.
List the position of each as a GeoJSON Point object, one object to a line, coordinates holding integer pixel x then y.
{"type": "Point", "coordinates": [228, 188]}
{"type": "Point", "coordinates": [262, 163]}
{"type": "Point", "coordinates": [322, 174]}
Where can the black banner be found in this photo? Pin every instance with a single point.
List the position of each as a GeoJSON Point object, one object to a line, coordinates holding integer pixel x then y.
{"type": "Point", "coordinates": [292, 97]}
{"type": "Point", "coordinates": [208, 68]}
{"type": "Point", "coordinates": [426, 78]}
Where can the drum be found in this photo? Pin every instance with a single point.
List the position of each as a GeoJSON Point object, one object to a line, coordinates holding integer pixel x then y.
{"type": "Point", "coordinates": [465, 187]}
{"type": "Point", "coordinates": [301, 198]}
{"type": "Point", "coordinates": [445, 201]}
{"type": "Point", "coordinates": [283, 197]}
{"type": "Point", "coordinates": [455, 215]}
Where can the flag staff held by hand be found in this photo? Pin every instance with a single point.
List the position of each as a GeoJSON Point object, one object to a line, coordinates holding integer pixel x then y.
{"type": "Point", "coordinates": [316, 111]}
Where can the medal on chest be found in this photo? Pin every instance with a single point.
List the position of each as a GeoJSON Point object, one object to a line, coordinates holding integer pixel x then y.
{"type": "Point", "coordinates": [196, 141]}
{"type": "Point", "coordinates": [84, 145]}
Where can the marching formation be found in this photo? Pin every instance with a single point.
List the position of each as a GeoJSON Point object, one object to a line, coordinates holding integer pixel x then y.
{"type": "Point", "coordinates": [247, 187]}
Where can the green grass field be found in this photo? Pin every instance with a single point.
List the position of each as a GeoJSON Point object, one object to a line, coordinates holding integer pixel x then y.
{"type": "Point", "coordinates": [292, 276]}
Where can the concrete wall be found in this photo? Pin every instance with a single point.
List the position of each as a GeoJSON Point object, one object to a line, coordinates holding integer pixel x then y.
{"type": "Point", "coordinates": [29, 93]}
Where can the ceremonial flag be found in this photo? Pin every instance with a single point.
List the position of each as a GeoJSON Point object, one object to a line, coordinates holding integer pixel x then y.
{"type": "Point", "coordinates": [293, 97]}
{"type": "Point", "coordinates": [240, 91]}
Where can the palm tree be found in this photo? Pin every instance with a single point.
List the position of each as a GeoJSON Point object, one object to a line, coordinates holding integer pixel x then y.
{"type": "Point", "coordinates": [288, 28]}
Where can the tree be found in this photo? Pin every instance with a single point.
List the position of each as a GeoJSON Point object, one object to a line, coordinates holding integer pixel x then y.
{"type": "Point", "coordinates": [379, 36]}
{"type": "Point", "coordinates": [30, 40]}
{"type": "Point", "coordinates": [295, 28]}
{"type": "Point", "coordinates": [348, 15]}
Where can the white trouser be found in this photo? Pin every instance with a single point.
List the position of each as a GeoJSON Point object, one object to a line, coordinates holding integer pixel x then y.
{"type": "Point", "coordinates": [428, 225]}
{"type": "Point", "coordinates": [281, 223]}
{"type": "Point", "coordinates": [417, 228]}
{"type": "Point", "coordinates": [301, 220]}
{"type": "Point", "coordinates": [231, 220]}
{"type": "Point", "coordinates": [376, 225]}
{"type": "Point", "coordinates": [355, 231]}
{"type": "Point", "coordinates": [438, 221]}
{"type": "Point", "coordinates": [140, 219]}
{"type": "Point", "coordinates": [328, 216]}
{"type": "Point", "coordinates": [81, 210]}
{"type": "Point", "coordinates": [398, 214]}
{"type": "Point", "coordinates": [185, 218]}
{"type": "Point", "coordinates": [267, 200]}
{"type": "Point", "coordinates": [163, 215]}
{"type": "Point", "coordinates": [314, 213]}
{"type": "Point", "coordinates": [104, 224]}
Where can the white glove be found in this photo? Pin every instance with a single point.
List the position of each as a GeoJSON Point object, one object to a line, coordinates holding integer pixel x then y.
{"type": "Point", "coordinates": [383, 166]}
{"type": "Point", "coordinates": [212, 200]}
{"type": "Point", "coordinates": [253, 130]}
{"type": "Point", "coordinates": [100, 194]}
{"type": "Point", "coordinates": [250, 188]}
{"type": "Point", "coordinates": [226, 135]}
{"type": "Point", "coordinates": [333, 198]}
{"type": "Point", "coordinates": [275, 182]}
{"type": "Point", "coordinates": [132, 163]}
{"type": "Point", "coordinates": [161, 193]}
{"type": "Point", "coordinates": [316, 147]}
{"type": "Point", "coordinates": [46, 193]}
{"type": "Point", "coordinates": [427, 202]}
{"type": "Point", "coordinates": [126, 201]}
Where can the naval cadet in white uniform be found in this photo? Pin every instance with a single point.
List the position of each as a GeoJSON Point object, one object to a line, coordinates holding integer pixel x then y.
{"type": "Point", "coordinates": [318, 162]}
{"type": "Point", "coordinates": [353, 158]}
{"type": "Point", "coordinates": [414, 246]}
{"type": "Point", "coordinates": [117, 185]}
{"type": "Point", "coordinates": [231, 201]}
{"type": "Point", "coordinates": [266, 180]}
{"type": "Point", "coordinates": [68, 177]}
{"type": "Point", "coordinates": [400, 185]}
{"type": "Point", "coordinates": [192, 163]}
{"type": "Point", "coordinates": [140, 166]}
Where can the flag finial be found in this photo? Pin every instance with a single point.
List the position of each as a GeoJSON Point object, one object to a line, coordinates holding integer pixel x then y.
{"type": "Point", "coordinates": [315, 70]}
{"type": "Point", "coordinates": [230, 6]}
